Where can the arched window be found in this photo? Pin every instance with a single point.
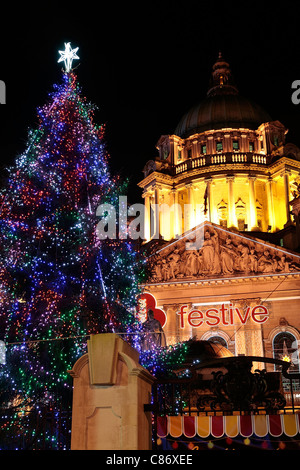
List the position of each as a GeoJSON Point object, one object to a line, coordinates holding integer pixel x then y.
{"type": "Point", "coordinates": [222, 213]}
{"type": "Point", "coordinates": [285, 348]}
{"type": "Point", "coordinates": [218, 340]}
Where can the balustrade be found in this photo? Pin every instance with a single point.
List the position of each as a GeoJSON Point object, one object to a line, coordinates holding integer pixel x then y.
{"type": "Point", "coordinates": [220, 159]}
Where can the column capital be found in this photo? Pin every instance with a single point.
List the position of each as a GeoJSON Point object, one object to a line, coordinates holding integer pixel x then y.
{"type": "Point", "coordinates": [208, 180]}
{"type": "Point", "coordinates": [286, 172]}
{"type": "Point", "coordinates": [230, 178]}
{"type": "Point", "coordinates": [252, 178]}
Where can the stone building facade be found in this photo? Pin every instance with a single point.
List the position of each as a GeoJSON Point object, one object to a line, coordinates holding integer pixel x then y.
{"type": "Point", "coordinates": [220, 226]}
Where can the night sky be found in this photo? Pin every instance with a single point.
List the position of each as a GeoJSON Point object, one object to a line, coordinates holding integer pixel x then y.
{"type": "Point", "coordinates": [144, 64]}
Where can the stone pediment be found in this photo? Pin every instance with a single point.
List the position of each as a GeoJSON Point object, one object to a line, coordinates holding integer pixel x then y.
{"type": "Point", "coordinates": [210, 251]}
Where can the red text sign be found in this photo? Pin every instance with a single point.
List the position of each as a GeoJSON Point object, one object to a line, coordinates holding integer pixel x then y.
{"type": "Point", "coordinates": [222, 316]}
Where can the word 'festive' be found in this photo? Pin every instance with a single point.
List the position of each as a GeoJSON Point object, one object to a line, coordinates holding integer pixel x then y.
{"type": "Point", "coordinates": [224, 316]}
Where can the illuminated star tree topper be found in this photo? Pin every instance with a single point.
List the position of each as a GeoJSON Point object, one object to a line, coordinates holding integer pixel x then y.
{"type": "Point", "coordinates": [68, 55]}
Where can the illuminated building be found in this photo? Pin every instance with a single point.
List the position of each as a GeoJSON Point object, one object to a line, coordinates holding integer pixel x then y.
{"type": "Point", "coordinates": [219, 228]}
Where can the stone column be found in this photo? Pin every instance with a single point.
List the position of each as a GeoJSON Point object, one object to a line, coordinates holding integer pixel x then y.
{"type": "Point", "coordinates": [269, 185]}
{"type": "Point", "coordinates": [194, 149]}
{"type": "Point", "coordinates": [208, 215]}
{"type": "Point", "coordinates": [252, 208]}
{"type": "Point", "coordinates": [231, 205]}
{"type": "Point", "coordinates": [171, 327]}
{"type": "Point", "coordinates": [286, 183]}
{"type": "Point", "coordinates": [295, 203]}
{"type": "Point", "coordinates": [147, 217]}
{"type": "Point", "coordinates": [156, 213]}
{"type": "Point", "coordinates": [177, 230]}
{"type": "Point", "coordinates": [210, 145]}
{"type": "Point", "coordinates": [189, 210]}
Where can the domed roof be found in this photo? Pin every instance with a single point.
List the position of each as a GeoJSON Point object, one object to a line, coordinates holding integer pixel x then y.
{"type": "Point", "coordinates": [223, 107]}
{"type": "Point", "coordinates": [203, 351]}
{"type": "Point", "coordinates": [200, 352]}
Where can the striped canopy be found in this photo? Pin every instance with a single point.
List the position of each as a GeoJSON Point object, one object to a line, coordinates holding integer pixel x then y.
{"type": "Point", "coordinates": [230, 426]}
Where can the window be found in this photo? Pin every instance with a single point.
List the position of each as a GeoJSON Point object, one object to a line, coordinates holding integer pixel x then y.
{"type": "Point", "coordinates": [240, 210]}
{"type": "Point", "coordinates": [285, 348]}
{"type": "Point", "coordinates": [235, 145]}
{"type": "Point", "coordinates": [219, 146]}
{"type": "Point", "coordinates": [179, 155]}
{"type": "Point", "coordinates": [203, 148]}
{"type": "Point", "coordinates": [189, 153]}
{"type": "Point", "coordinates": [222, 213]}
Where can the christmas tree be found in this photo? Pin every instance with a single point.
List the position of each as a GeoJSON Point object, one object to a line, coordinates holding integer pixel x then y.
{"type": "Point", "coordinates": [59, 281]}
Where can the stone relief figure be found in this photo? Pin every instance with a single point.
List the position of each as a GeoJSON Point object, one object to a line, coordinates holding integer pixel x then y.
{"type": "Point", "coordinates": [244, 259]}
{"type": "Point", "coordinates": [192, 265]}
{"type": "Point", "coordinates": [219, 255]}
{"type": "Point", "coordinates": [174, 264]}
{"type": "Point", "coordinates": [266, 263]}
{"type": "Point", "coordinates": [210, 253]}
{"type": "Point", "coordinates": [283, 265]}
{"type": "Point", "coordinates": [253, 263]}
{"type": "Point", "coordinates": [165, 270]}
{"type": "Point", "coordinates": [228, 255]}
{"type": "Point", "coordinates": [207, 252]}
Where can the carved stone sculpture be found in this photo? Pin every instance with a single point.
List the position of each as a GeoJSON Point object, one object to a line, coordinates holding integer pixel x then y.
{"type": "Point", "coordinates": [218, 253]}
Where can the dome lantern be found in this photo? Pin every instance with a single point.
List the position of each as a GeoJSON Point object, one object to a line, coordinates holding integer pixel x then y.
{"type": "Point", "coordinates": [222, 81]}
{"type": "Point", "coordinates": [222, 108]}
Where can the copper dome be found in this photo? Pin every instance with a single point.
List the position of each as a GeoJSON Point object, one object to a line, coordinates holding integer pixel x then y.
{"type": "Point", "coordinates": [223, 107]}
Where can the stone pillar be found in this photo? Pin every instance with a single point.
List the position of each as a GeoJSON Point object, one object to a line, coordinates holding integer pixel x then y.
{"type": "Point", "coordinates": [252, 208]}
{"type": "Point", "coordinates": [231, 205]}
{"type": "Point", "coordinates": [156, 213]}
{"type": "Point", "coordinates": [295, 203]}
{"type": "Point", "coordinates": [110, 391]}
{"type": "Point", "coordinates": [189, 209]}
{"type": "Point", "coordinates": [194, 149]}
{"type": "Point", "coordinates": [270, 204]}
{"type": "Point", "coordinates": [147, 217]}
{"type": "Point", "coordinates": [209, 202]}
{"type": "Point", "coordinates": [286, 183]}
{"type": "Point", "coordinates": [170, 329]}
{"type": "Point", "coordinates": [177, 229]}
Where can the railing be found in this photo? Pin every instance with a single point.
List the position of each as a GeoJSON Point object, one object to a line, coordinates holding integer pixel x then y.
{"type": "Point", "coordinates": [179, 397]}
{"type": "Point", "coordinates": [232, 388]}
{"type": "Point", "coordinates": [221, 159]}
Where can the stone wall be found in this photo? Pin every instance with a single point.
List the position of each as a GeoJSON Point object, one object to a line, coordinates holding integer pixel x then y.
{"type": "Point", "coordinates": [110, 391]}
